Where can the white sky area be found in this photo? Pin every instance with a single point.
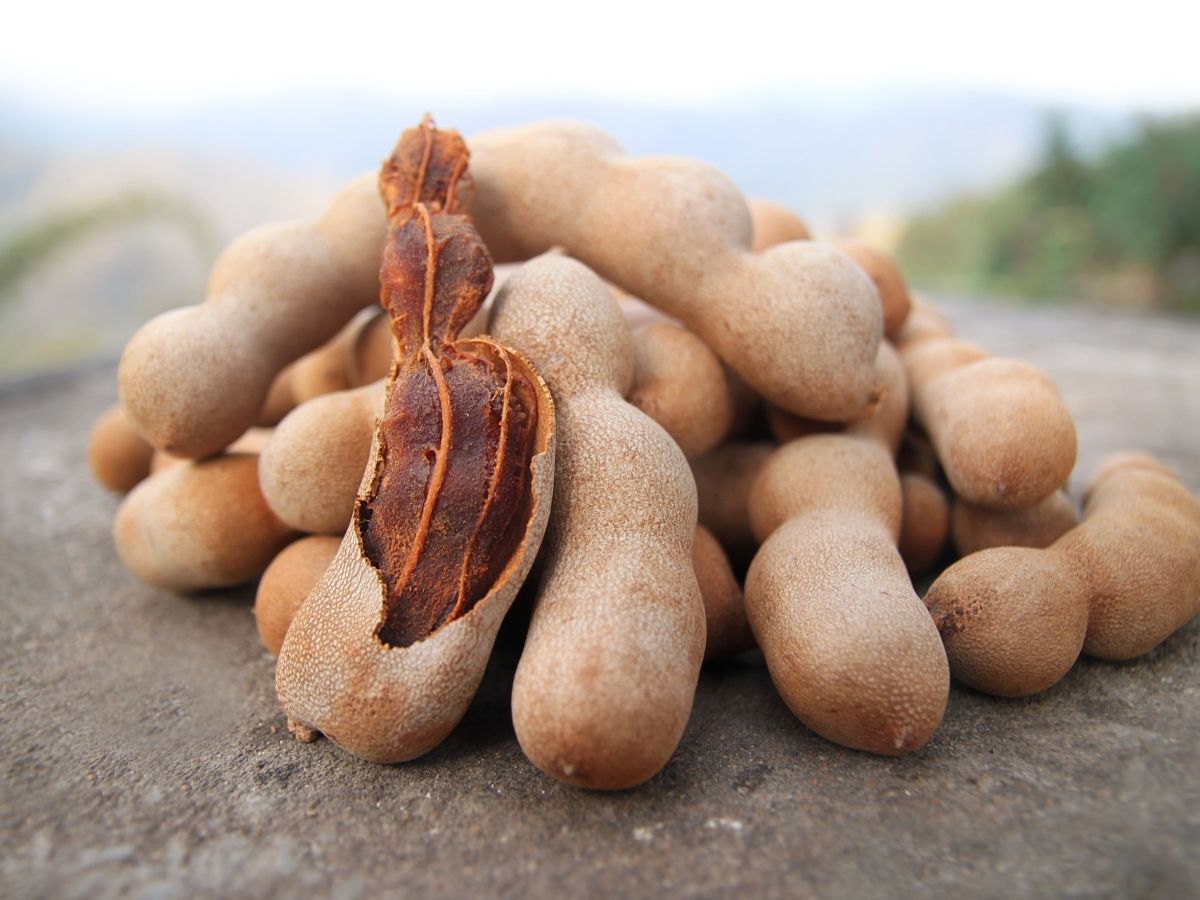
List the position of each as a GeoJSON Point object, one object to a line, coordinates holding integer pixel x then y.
{"type": "Point", "coordinates": [135, 55]}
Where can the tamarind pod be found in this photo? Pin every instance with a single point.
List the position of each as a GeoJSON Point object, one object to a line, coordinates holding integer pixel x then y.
{"type": "Point", "coordinates": [607, 677]}
{"type": "Point", "coordinates": [799, 322]}
{"type": "Point", "coordinates": [726, 630]}
{"type": "Point", "coordinates": [681, 385]}
{"type": "Point", "coordinates": [118, 456]}
{"type": "Point", "coordinates": [199, 525]}
{"type": "Point", "coordinates": [849, 646]}
{"type": "Point", "coordinates": [195, 378]}
{"type": "Point", "coordinates": [384, 655]}
{"type": "Point", "coordinates": [1014, 619]}
{"type": "Point", "coordinates": [311, 469]}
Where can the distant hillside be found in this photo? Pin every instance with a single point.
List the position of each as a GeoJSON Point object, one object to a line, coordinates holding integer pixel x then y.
{"type": "Point", "coordinates": [833, 157]}
{"type": "Point", "coordinates": [1120, 228]}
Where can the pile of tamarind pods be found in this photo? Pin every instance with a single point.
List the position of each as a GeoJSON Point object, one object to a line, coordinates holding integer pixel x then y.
{"type": "Point", "coordinates": [700, 430]}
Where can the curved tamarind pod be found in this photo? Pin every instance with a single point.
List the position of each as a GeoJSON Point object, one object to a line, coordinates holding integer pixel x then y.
{"type": "Point", "coordinates": [772, 223]}
{"type": "Point", "coordinates": [725, 627]}
{"type": "Point", "coordinates": [1014, 619]}
{"type": "Point", "coordinates": [889, 283]}
{"type": "Point", "coordinates": [290, 578]}
{"type": "Point", "coordinates": [681, 385]}
{"type": "Point", "coordinates": [118, 456]}
{"type": "Point", "coordinates": [847, 642]}
{"type": "Point", "coordinates": [886, 424]}
{"type": "Point", "coordinates": [606, 681]}
{"type": "Point", "coordinates": [977, 528]}
{"type": "Point", "coordinates": [193, 379]}
{"type": "Point", "coordinates": [311, 469]}
{"type": "Point", "coordinates": [384, 655]}
{"type": "Point", "coordinates": [800, 322]}
{"type": "Point", "coordinates": [199, 525]}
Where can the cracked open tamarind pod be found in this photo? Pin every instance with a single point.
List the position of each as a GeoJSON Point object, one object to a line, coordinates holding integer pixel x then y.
{"type": "Point", "coordinates": [1118, 584]}
{"type": "Point", "coordinates": [384, 655]}
{"type": "Point", "coordinates": [312, 467]}
{"type": "Point", "coordinates": [848, 643]}
{"type": "Point", "coordinates": [195, 378]}
{"type": "Point", "coordinates": [799, 322]}
{"type": "Point", "coordinates": [607, 677]}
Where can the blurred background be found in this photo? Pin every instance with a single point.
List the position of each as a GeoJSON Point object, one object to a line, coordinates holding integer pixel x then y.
{"type": "Point", "coordinates": [1047, 154]}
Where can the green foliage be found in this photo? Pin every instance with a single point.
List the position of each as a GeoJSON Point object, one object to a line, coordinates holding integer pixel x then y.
{"type": "Point", "coordinates": [1123, 228]}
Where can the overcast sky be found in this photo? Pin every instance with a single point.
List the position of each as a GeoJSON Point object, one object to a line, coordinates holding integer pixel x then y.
{"type": "Point", "coordinates": [135, 54]}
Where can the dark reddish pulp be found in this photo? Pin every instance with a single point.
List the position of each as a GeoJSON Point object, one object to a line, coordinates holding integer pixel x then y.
{"type": "Point", "coordinates": [450, 498]}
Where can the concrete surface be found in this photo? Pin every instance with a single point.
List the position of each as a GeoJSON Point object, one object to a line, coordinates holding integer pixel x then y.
{"type": "Point", "coordinates": [142, 753]}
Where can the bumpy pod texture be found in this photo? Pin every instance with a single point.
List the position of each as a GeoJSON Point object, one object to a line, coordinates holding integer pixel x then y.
{"type": "Point", "coordinates": [1000, 427]}
{"type": "Point", "coordinates": [682, 386]}
{"type": "Point", "coordinates": [1117, 585]}
{"type": "Point", "coordinates": [799, 322]}
{"type": "Point", "coordinates": [605, 684]}
{"type": "Point", "coordinates": [849, 646]}
{"type": "Point", "coordinates": [199, 525]}
{"type": "Point", "coordinates": [193, 379]}
{"type": "Point", "coordinates": [886, 424]}
{"type": "Point", "coordinates": [385, 654]}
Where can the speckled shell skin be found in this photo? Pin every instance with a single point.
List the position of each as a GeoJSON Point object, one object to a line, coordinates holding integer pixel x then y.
{"type": "Point", "coordinates": [392, 704]}
{"type": "Point", "coordinates": [849, 646]}
{"type": "Point", "coordinates": [1000, 427]}
{"type": "Point", "coordinates": [799, 322]}
{"type": "Point", "coordinates": [977, 528]}
{"type": "Point", "coordinates": [199, 525]}
{"type": "Point", "coordinates": [605, 684]}
{"type": "Point", "coordinates": [1116, 585]}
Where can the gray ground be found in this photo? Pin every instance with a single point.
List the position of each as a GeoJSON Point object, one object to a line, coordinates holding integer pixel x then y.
{"type": "Point", "coordinates": [142, 752]}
